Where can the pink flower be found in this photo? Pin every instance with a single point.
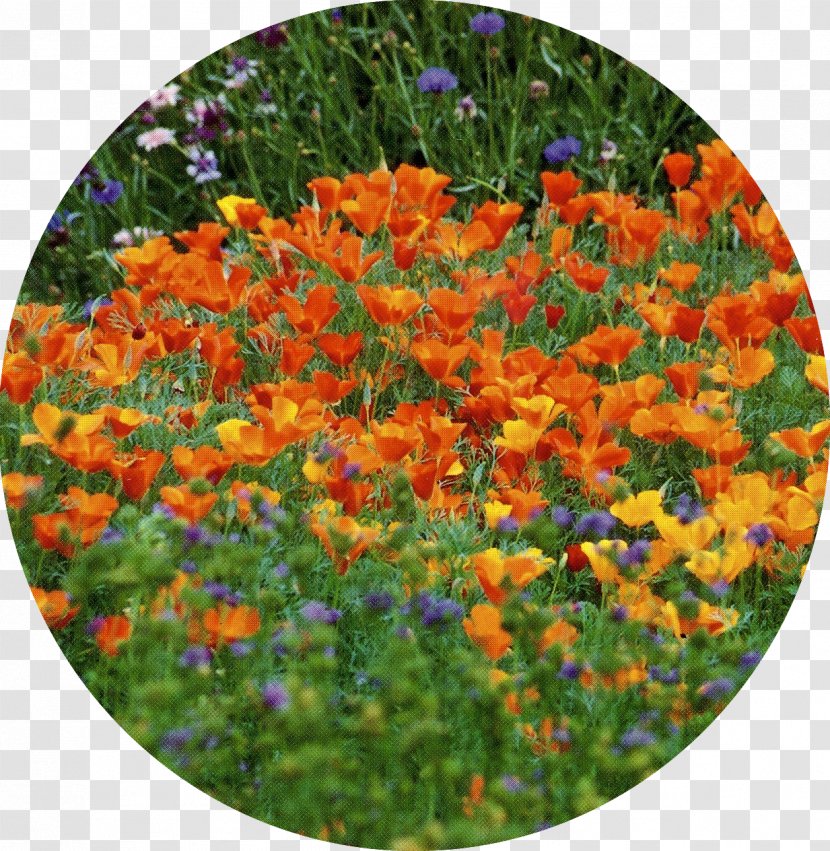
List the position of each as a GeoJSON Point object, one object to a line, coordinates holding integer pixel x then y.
{"type": "Point", "coordinates": [155, 138]}
{"type": "Point", "coordinates": [167, 96]}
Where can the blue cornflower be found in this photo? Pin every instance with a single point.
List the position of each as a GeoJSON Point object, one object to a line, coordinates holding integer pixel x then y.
{"type": "Point", "coordinates": [110, 535]}
{"type": "Point", "coordinates": [636, 554]}
{"type": "Point", "coordinates": [319, 612]}
{"type": "Point", "coordinates": [107, 193]}
{"type": "Point", "coordinates": [687, 510]}
{"type": "Point", "coordinates": [562, 516]}
{"type": "Point", "coordinates": [569, 671]}
{"type": "Point", "coordinates": [507, 524]}
{"type": "Point", "coordinates": [379, 601]}
{"type": "Point", "coordinates": [487, 23]}
{"type": "Point", "coordinates": [203, 167]}
{"type": "Point", "coordinates": [437, 81]}
{"type": "Point", "coordinates": [561, 150]}
{"type": "Point", "coordinates": [749, 660]}
{"type": "Point", "coordinates": [637, 737]}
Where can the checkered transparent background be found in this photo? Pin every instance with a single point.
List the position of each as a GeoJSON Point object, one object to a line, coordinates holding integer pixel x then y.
{"type": "Point", "coordinates": [758, 72]}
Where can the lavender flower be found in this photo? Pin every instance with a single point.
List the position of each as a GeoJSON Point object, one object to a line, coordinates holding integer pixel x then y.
{"type": "Point", "coordinates": [437, 81]}
{"type": "Point", "coordinates": [438, 610]}
{"type": "Point", "coordinates": [561, 150]}
{"type": "Point", "coordinates": [107, 193]}
{"type": "Point", "coordinates": [487, 23]}
{"type": "Point", "coordinates": [512, 783]}
{"type": "Point", "coordinates": [719, 687]}
{"type": "Point", "coordinates": [379, 601]}
{"type": "Point", "coordinates": [749, 660]}
{"type": "Point", "coordinates": [619, 613]}
{"type": "Point", "coordinates": [175, 740]}
{"type": "Point", "coordinates": [562, 516]}
{"type": "Point", "coordinates": [759, 534]}
{"type": "Point", "coordinates": [111, 535]}
{"type": "Point", "coordinates": [637, 737]}
{"type": "Point", "coordinates": [569, 671]}
{"type": "Point", "coordinates": [318, 612]}
{"type": "Point", "coordinates": [94, 625]}
{"type": "Point", "coordinates": [275, 695]}
{"type": "Point", "coordinates": [636, 554]}
{"type": "Point", "coordinates": [507, 525]}
{"type": "Point", "coordinates": [188, 566]}
{"type": "Point", "coordinates": [687, 510]}
{"type": "Point", "coordinates": [281, 570]}
{"type": "Point", "coordinates": [599, 523]}
{"type": "Point", "coordinates": [195, 656]}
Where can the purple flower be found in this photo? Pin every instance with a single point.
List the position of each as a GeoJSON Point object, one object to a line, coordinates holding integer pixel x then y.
{"type": "Point", "coordinates": [487, 23]}
{"type": "Point", "coordinates": [569, 671]}
{"type": "Point", "coordinates": [608, 151]}
{"type": "Point", "coordinates": [466, 108]}
{"type": "Point", "coordinates": [164, 510]}
{"type": "Point", "coordinates": [195, 534]}
{"type": "Point", "coordinates": [619, 613]}
{"type": "Point", "coordinates": [600, 523]}
{"type": "Point", "coordinates": [175, 740]}
{"type": "Point", "coordinates": [275, 695]}
{"type": "Point", "coordinates": [329, 652]}
{"type": "Point", "coordinates": [405, 633]}
{"type": "Point", "coordinates": [203, 167]}
{"type": "Point", "coordinates": [508, 525]}
{"type": "Point", "coordinates": [561, 150]}
{"type": "Point", "coordinates": [188, 566]}
{"type": "Point", "coordinates": [512, 783]}
{"type": "Point", "coordinates": [561, 516]}
{"type": "Point", "coordinates": [281, 570]}
{"type": "Point", "coordinates": [337, 16]}
{"type": "Point", "coordinates": [719, 588]}
{"type": "Point", "coordinates": [351, 469]}
{"type": "Point", "coordinates": [88, 172]}
{"type": "Point", "coordinates": [687, 510]}
{"type": "Point", "coordinates": [241, 648]}
{"type": "Point", "coordinates": [107, 193]}
{"type": "Point", "coordinates": [749, 660]}
{"type": "Point", "coordinates": [318, 612]}
{"type": "Point", "coordinates": [719, 687]}
{"type": "Point", "coordinates": [265, 96]}
{"type": "Point", "coordinates": [111, 535]}
{"type": "Point", "coordinates": [437, 81]}
{"type": "Point", "coordinates": [379, 601]}
{"type": "Point", "coordinates": [217, 590]}
{"type": "Point", "coordinates": [274, 36]}
{"type": "Point", "coordinates": [637, 737]}
{"type": "Point", "coordinates": [195, 656]}
{"type": "Point", "coordinates": [636, 554]}
{"type": "Point", "coordinates": [438, 610]}
{"type": "Point", "coordinates": [759, 534]}
{"type": "Point", "coordinates": [94, 625]}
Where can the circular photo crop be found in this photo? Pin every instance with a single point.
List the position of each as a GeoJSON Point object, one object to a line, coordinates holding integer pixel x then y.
{"type": "Point", "coordinates": [414, 425]}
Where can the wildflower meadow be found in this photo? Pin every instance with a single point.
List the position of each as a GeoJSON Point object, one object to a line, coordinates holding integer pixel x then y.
{"type": "Point", "coordinates": [414, 425]}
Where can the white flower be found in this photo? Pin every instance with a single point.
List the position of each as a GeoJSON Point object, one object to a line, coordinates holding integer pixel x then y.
{"type": "Point", "coordinates": [167, 96]}
{"type": "Point", "coordinates": [155, 138]}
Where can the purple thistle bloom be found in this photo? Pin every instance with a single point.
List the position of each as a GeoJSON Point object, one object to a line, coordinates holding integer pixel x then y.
{"type": "Point", "coordinates": [281, 570]}
{"type": "Point", "coordinates": [188, 566]}
{"type": "Point", "coordinates": [637, 737]}
{"type": "Point", "coordinates": [561, 150]}
{"type": "Point", "coordinates": [107, 193]}
{"type": "Point", "coordinates": [487, 23]}
{"type": "Point", "coordinates": [561, 516]}
{"type": "Point", "coordinates": [599, 523]}
{"type": "Point", "coordinates": [438, 610]}
{"type": "Point", "coordinates": [687, 509]}
{"type": "Point", "coordinates": [720, 687]}
{"type": "Point", "coordinates": [275, 695]}
{"type": "Point", "coordinates": [437, 81]}
{"type": "Point", "coordinates": [759, 534]}
{"type": "Point", "coordinates": [569, 671]}
{"type": "Point", "coordinates": [750, 659]}
{"type": "Point", "coordinates": [195, 656]}
{"type": "Point", "coordinates": [265, 96]}
{"type": "Point", "coordinates": [175, 740]}
{"type": "Point", "coordinates": [379, 601]}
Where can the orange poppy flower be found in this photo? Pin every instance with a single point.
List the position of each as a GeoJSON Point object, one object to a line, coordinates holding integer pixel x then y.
{"type": "Point", "coordinates": [85, 518]}
{"type": "Point", "coordinates": [349, 263]}
{"type": "Point", "coordinates": [330, 389]}
{"type": "Point", "coordinates": [136, 470]}
{"type": "Point", "coordinates": [21, 375]}
{"type": "Point", "coordinates": [678, 169]}
{"type": "Point", "coordinates": [203, 462]}
{"type": "Point", "coordinates": [680, 276]}
{"type": "Point", "coordinates": [186, 504]}
{"type": "Point", "coordinates": [55, 606]}
{"type": "Point", "coordinates": [499, 219]}
{"type": "Point", "coordinates": [499, 573]}
{"type": "Point", "coordinates": [459, 241]}
{"type": "Point", "coordinates": [484, 628]}
{"type": "Point", "coordinates": [607, 345]}
{"type": "Point", "coordinates": [806, 333]}
{"type": "Point", "coordinates": [367, 211]}
{"type": "Point", "coordinates": [807, 444]}
{"type": "Point", "coordinates": [440, 361]}
{"type": "Point", "coordinates": [341, 350]}
{"type": "Point", "coordinates": [17, 488]}
{"type": "Point", "coordinates": [319, 309]}
{"type": "Point", "coordinates": [560, 187]}
{"type": "Point", "coordinates": [455, 311]}
{"type": "Point", "coordinates": [345, 540]}
{"type": "Point", "coordinates": [295, 355]}
{"type": "Point", "coordinates": [113, 632]}
{"type": "Point", "coordinates": [388, 305]}
{"type": "Point", "coordinates": [816, 372]}
{"type": "Point", "coordinates": [584, 274]}
{"type": "Point", "coordinates": [231, 623]}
